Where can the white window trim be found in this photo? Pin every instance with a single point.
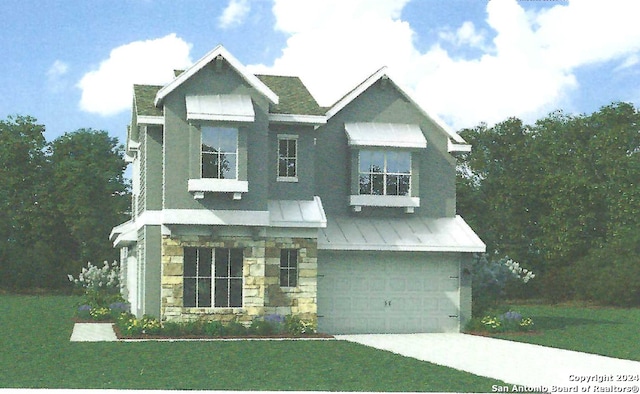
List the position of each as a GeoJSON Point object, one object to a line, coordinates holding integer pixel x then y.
{"type": "Point", "coordinates": [291, 179]}
{"type": "Point", "coordinates": [202, 185]}
{"type": "Point", "coordinates": [213, 277]}
{"type": "Point", "coordinates": [385, 172]}
{"type": "Point", "coordinates": [372, 200]}
{"type": "Point", "coordinates": [236, 152]}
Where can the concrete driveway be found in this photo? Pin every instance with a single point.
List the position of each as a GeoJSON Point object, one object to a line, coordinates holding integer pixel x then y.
{"type": "Point", "coordinates": [530, 367]}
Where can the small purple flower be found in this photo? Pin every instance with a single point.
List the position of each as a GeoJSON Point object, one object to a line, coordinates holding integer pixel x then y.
{"type": "Point", "coordinates": [83, 308]}
{"type": "Point", "coordinates": [274, 318]}
{"type": "Point", "coordinates": [513, 316]}
{"type": "Point", "coordinates": [119, 306]}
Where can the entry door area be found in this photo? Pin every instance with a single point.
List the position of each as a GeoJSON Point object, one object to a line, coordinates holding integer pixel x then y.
{"type": "Point", "coordinates": [384, 292]}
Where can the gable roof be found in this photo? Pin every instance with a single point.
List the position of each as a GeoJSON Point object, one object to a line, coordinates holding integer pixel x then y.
{"type": "Point", "coordinates": [208, 58]}
{"type": "Point", "coordinates": [295, 98]}
{"type": "Point", "coordinates": [459, 144]}
{"type": "Point", "coordinates": [143, 96]}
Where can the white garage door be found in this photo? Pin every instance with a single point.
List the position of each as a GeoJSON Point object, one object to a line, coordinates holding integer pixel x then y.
{"type": "Point", "coordinates": [388, 293]}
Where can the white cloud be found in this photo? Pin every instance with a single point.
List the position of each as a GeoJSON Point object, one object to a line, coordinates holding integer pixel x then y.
{"type": "Point", "coordinates": [108, 89]}
{"type": "Point", "coordinates": [526, 69]}
{"type": "Point", "coordinates": [334, 44]}
{"type": "Point", "coordinates": [57, 69]}
{"type": "Point", "coordinates": [466, 35]}
{"type": "Point", "coordinates": [234, 14]}
{"type": "Point", "coordinates": [55, 76]}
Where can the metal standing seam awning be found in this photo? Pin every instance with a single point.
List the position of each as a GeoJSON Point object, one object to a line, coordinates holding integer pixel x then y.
{"type": "Point", "coordinates": [450, 234]}
{"type": "Point", "coordinates": [394, 135]}
{"type": "Point", "coordinates": [224, 107]}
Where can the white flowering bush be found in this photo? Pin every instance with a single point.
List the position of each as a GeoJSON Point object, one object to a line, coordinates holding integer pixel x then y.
{"type": "Point", "coordinates": [490, 279]}
{"type": "Point", "coordinates": [94, 278]}
{"type": "Point", "coordinates": [518, 272]}
{"type": "Point", "coordinates": [101, 285]}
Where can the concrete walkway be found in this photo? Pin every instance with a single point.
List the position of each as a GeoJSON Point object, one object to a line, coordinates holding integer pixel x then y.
{"type": "Point", "coordinates": [93, 332]}
{"type": "Point", "coordinates": [535, 367]}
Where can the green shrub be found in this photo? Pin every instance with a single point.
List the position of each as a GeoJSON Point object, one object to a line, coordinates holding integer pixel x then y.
{"type": "Point", "coordinates": [296, 326]}
{"type": "Point", "coordinates": [235, 328]}
{"type": "Point", "coordinates": [490, 279]}
{"type": "Point", "coordinates": [214, 328]}
{"type": "Point", "coordinates": [261, 327]}
{"type": "Point", "coordinates": [172, 329]}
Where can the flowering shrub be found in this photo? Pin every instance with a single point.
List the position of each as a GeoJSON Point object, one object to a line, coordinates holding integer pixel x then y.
{"type": "Point", "coordinates": [296, 326]}
{"type": "Point", "coordinates": [84, 312]}
{"type": "Point", "coordinates": [101, 287]}
{"type": "Point", "coordinates": [510, 321]}
{"type": "Point", "coordinates": [518, 272]}
{"type": "Point", "coordinates": [130, 326]}
{"type": "Point", "coordinates": [490, 279]}
{"type": "Point", "coordinates": [100, 313]}
{"type": "Point", "coordinates": [93, 278]}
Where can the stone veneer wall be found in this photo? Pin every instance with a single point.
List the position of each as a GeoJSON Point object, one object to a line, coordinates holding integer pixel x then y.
{"type": "Point", "coordinates": [262, 294]}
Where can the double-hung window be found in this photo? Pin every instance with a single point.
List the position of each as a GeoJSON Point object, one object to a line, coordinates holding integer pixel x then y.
{"type": "Point", "coordinates": [219, 152]}
{"type": "Point", "coordinates": [287, 158]}
{"type": "Point", "coordinates": [197, 277]}
{"type": "Point", "coordinates": [212, 277]}
{"type": "Point", "coordinates": [385, 172]}
{"type": "Point", "coordinates": [288, 267]}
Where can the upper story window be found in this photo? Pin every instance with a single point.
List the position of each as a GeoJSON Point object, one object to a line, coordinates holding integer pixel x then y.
{"type": "Point", "coordinates": [287, 158]}
{"type": "Point", "coordinates": [219, 152]}
{"type": "Point", "coordinates": [384, 172]}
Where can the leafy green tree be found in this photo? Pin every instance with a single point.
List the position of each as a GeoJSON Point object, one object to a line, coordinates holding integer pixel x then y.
{"type": "Point", "coordinates": [555, 193]}
{"type": "Point", "coordinates": [22, 176]}
{"type": "Point", "coordinates": [89, 195]}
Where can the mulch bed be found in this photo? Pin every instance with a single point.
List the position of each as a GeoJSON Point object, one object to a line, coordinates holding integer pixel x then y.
{"type": "Point", "coordinates": [119, 335]}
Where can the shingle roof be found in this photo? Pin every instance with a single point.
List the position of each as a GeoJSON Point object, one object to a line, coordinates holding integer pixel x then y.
{"type": "Point", "coordinates": [144, 96]}
{"type": "Point", "coordinates": [294, 96]}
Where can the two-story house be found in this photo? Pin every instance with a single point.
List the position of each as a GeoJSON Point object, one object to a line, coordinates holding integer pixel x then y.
{"type": "Point", "coordinates": [250, 199]}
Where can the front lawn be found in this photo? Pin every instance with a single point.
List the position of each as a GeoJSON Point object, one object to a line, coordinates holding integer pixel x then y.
{"type": "Point", "coordinates": [37, 353]}
{"type": "Point", "coordinates": [613, 332]}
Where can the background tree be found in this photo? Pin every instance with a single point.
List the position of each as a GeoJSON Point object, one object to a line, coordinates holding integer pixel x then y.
{"type": "Point", "coordinates": [554, 195]}
{"type": "Point", "coordinates": [22, 176]}
{"type": "Point", "coordinates": [89, 195]}
{"type": "Point", "coordinates": [58, 202]}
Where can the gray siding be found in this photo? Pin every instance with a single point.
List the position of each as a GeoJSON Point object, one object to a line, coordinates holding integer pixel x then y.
{"type": "Point", "coordinates": [182, 145]}
{"type": "Point", "coordinates": [152, 265]}
{"type": "Point", "coordinates": [334, 160]}
{"type": "Point", "coordinates": [305, 187]}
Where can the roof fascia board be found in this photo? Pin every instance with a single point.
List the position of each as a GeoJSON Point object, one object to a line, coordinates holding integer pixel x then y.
{"type": "Point", "coordinates": [367, 83]}
{"type": "Point", "coordinates": [235, 64]}
{"type": "Point", "coordinates": [295, 118]}
{"type": "Point", "coordinates": [363, 86]}
{"type": "Point", "coordinates": [150, 120]}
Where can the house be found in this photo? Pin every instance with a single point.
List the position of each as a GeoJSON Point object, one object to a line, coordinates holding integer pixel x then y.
{"type": "Point", "coordinates": [250, 199]}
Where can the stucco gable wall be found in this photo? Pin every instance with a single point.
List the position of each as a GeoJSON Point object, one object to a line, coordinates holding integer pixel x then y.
{"type": "Point", "coordinates": [182, 144]}
{"type": "Point", "coordinates": [383, 103]}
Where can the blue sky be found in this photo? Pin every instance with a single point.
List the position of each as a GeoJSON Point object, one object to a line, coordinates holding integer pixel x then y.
{"type": "Point", "coordinates": [71, 63]}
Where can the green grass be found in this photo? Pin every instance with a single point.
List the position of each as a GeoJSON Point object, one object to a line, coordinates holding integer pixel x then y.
{"type": "Point", "coordinates": [613, 332]}
{"type": "Point", "coordinates": [37, 353]}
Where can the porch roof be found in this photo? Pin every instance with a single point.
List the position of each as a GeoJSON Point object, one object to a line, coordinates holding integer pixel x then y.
{"type": "Point", "coordinates": [451, 234]}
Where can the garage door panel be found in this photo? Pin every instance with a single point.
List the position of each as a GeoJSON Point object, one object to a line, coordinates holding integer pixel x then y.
{"type": "Point", "coordinates": [367, 293]}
